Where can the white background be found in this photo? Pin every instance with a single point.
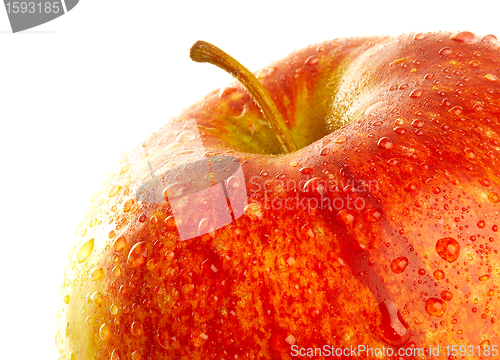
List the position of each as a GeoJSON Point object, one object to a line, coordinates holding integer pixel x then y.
{"type": "Point", "coordinates": [78, 91]}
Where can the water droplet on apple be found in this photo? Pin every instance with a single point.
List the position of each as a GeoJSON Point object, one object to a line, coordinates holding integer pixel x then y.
{"type": "Point", "coordinates": [113, 309]}
{"type": "Point", "coordinates": [185, 136]}
{"type": "Point", "coordinates": [128, 205]}
{"type": "Point", "coordinates": [445, 51]}
{"type": "Point", "coordinates": [175, 190]}
{"type": "Point", "coordinates": [399, 264]}
{"type": "Point", "coordinates": [465, 37]}
{"type": "Point", "coordinates": [205, 226]}
{"type": "Point", "coordinates": [137, 255]}
{"type": "Point", "coordinates": [253, 211]}
{"type": "Point", "coordinates": [399, 130]}
{"type": "Point", "coordinates": [474, 63]}
{"type": "Point", "coordinates": [446, 295]}
{"type": "Point", "coordinates": [281, 176]}
{"type": "Point", "coordinates": [493, 197]}
{"type": "Point", "coordinates": [113, 190]}
{"type": "Point", "coordinates": [137, 329]}
{"type": "Point", "coordinates": [340, 139]}
{"type": "Point", "coordinates": [325, 151]}
{"type": "Point", "coordinates": [85, 250]}
{"type": "Point", "coordinates": [419, 36]}
{"type": "Point", "coordinates": [418, 123]}
{"type": "Point", "coordinates": [136, 355]}
{"type": "Point", "coordinates": [96, 274]}
{"type": "Point", "coordinates": [312, 60]}
{"type": "Point", "coordinates": [438, 274]}
{"type": "Point", "coordinates": [306, 170]}
{"type": "Point", "coordinates": [120, 244]}
{"type": "Point", "coordinates": [490, 77]}
{"type": "Point", "coordinates": [263, 173]}
{"type": "Point", "coordinates": [115, 355]}
{"type": "Point", "coordinates": [484, 278]}
{"type": "Point", "coordinates": [393, 329]}
{"type": "Point", "coordinates": [65, 299]}
{"type": "Point", "coordinates": [96, 298]}
{"type": "Point", "coordinates": [410, 187]}
{"type": "Point", "coordinates": [435, 307]}
{"type": "Point", "coordinates": [481, 224]}
{"type": "Point", "coordinates": [116, 271]}
{"type": "Point", "coordinates": [448, 248]}
{"type": "Point", "coordinates": [233, 182]}
{"type": "Point", "coordinates": [385, 143]}
{"type": "Point", "coordinates": [104, 332]}
{"type": "Point", "coordinates": [469, 153]}
{"type": "Point", "coordinates": [416, 93]}
{"type": "Point", "coordinates": [372, 215]}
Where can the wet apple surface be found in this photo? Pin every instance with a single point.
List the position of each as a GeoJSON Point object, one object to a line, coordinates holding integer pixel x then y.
{"type": "Point", "coordinates": [381, 230]}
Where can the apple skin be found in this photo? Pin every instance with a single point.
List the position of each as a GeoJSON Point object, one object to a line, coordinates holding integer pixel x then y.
{"type": "Point", "coordinates": [412, 128]}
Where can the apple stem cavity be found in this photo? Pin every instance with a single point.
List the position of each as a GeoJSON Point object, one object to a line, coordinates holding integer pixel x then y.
{"type": "Point", "coordinates": [203, 51]}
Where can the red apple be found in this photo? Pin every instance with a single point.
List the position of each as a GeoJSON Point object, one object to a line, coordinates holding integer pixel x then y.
{"type": "Point", "coordinates": [217, 238]}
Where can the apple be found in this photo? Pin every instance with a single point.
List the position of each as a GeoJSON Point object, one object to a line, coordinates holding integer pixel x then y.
{"type": "Point", "coordinates": [343, 202]}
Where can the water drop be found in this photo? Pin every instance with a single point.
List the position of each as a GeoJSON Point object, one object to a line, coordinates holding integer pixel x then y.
{"type": "Point", "coordinates": [253, 211]}
{"type": "Point", "coordinates": [445, 51]}
{"type": "Point", "coordinates": [113, 190]}
{"type": "Point", "coordinates": [372, 215]}
{"type": "Point", "coordinates": [104, 332]}
{"type": "Point", "coordinates": [490, 77]}
{"type": "Point", "coordinates": [474, 63]}
{"type": "Point", "coordinates": [493, 197]}
{"type": "Point", "coordinates": [281, 176]}
{"type": "Point", "coordinates": [385, 143]}
{"type": "Point", "coordinates": [436, 190]}
{"type": "Point", "coordinates": [393, 329]}
{"type": "Point", "coordinates": [137, 329]}
{"type": "Point", "coordinates": [421, 272]}
{"type": "Point", "coordinates": [410, 187]}
{"type": "Point", "coordinates": [136, 355]}
{"type": "Point", "coordinates": [446, 295]}
{"type": "Point", "coordinates": [96, 274]}
{"type": "Point", "coordinates": [128, 205]}
{"type": "Point", "coordinates": [469, 153]}
{"type": "Point", "coordinates": [399, 264]}
{"type": "Point", "coordinates": [115, 355]}
{"type": "Point", "coordinates": [84, 251]}
{"type": "Point", "coordinates": [120, 244]}
{"type": "Point", "coordinates": [484, 278]}
{"type": "Point", "coordinates": [113, 309]}
{"type": "Point", "coordinates": [419, 36]}
{"type": "Point", "coordinates": [137, 255]}
{"type": "Point", "coordinates": [448, 248]}
{"type": "Point", "coordinates": [465, 37]}
{"type": "Point", "coordinates": [399, 130]}
{"type": "Point", "coordinates": [233, 182]}
{"type": "Point", "coordinates": [435, 307]}
{"type": "Point", "coordinates": [457, 110]}
{"type": "Point", "coordinates": [306, 170]}
{"type": "Point", "coordinates": [175, 190]}
{"type": "Point", "coordinates": [481, 224]}
{"type": "Point", "coordinates": [417, 123]}
{"type": "Point", "coordinates": [325, 151]}
{"type": "Point", "coordinates": [312, 60]}
{"type": "Point", "coordinates": [185, 136]}
{"type": "Point", "coordinates": [340, 139]}
{"type": "Point", "coordinates": [416, 93]}
{"type": "Point", "coordinates": [438, 274]}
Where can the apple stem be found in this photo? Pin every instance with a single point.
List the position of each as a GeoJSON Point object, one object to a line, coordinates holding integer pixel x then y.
{"type": "Point", "coordinates": [203, 51]}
